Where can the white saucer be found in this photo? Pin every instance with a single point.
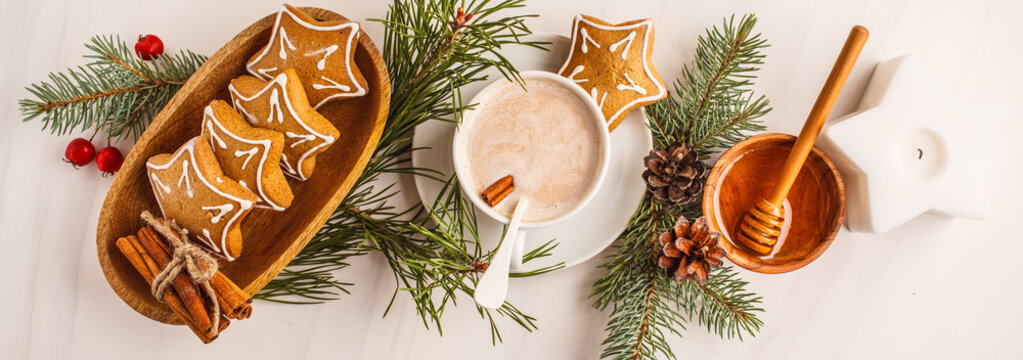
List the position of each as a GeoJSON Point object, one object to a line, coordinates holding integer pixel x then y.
{"type": "Point", "coordinates": [597, 225]}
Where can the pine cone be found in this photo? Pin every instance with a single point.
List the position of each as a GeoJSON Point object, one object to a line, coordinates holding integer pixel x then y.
{"type": "Point", "coordinates": [675, 175]}
{"type": "Point", "coordinates": [690, 251]}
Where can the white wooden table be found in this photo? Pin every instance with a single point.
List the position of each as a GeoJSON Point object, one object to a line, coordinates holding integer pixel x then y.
{"type": "Point", "coordinates": [934, 288]}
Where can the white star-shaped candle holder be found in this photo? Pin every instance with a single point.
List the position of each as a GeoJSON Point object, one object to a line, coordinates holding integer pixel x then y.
{"type": "Point", "coordinates": [912, 148]}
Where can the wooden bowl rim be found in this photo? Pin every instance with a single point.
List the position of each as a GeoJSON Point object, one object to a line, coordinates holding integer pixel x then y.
{"type": "Point", "coordinates": [744, 258]}
{"type": "Point", "coordinates": [162, 313]}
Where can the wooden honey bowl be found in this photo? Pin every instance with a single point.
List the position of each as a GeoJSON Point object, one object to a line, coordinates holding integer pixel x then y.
{"type": "Point", "coordinates": [815, 205]}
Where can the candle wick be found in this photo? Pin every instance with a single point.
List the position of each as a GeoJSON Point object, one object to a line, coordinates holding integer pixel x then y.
{"type": "Point", "coordinates": [920, 153]}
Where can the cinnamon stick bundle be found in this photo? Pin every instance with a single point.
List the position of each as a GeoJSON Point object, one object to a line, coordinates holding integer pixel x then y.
{"type": "Point", "coordinates": [149, 253]}
{"type": "Point", "coordinates": [234, 302]}
{"type": "Point", "coordinates": [182, 285]}
{"type": "Point", "coordinates": [144, 264]}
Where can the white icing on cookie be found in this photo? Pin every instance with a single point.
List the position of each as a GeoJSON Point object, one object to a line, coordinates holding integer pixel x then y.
{"type": "Point", "coordinates": [189, 148]}
{"type": "Point", "coordinates": [630, 86]}
{"type": "Point", "coordinates": [213, 125]}
{"type": "Point", "coordinates": [250, 152]}
{"type": "Point", "coordinates": [266, 72]}
{"type": "Point", "coordinates": [209, 240]}
{"type": "Point", "coordinates": [286, 165]}
{"type": "Point", "coordinates": [280, 82]}
{"type": "Point", "coordinates": [333, 85]}
{"type": "Point", "coordinates": [159, 185]}
{"type": "Point", "coordinates": [584, 38]}
{"type": "Point", "coordinates": [224, 209]}
{"type": "Point", "coordinates": [219, 142]}
{"type": "Point", "coordinates": [275, 108]}
{"type": "Point", "coordinates": [587, 39]}
{"type": "Point", "coordinates": [575, 71]}
{"type": "Point", "coordinates": [304, 138]}
{"type": "Point", "coordinates": [285, 41]}
{"type": "Point", "coordinates": [184, 178]}
{"type": "Point", "coordinates": [627, 41]}
{"type": "Point", "coordinates": [598, 99]}
{"type": "Point", "coordinates": [349, 49]}
{"type": "Point", "coordinates": [326, 52]}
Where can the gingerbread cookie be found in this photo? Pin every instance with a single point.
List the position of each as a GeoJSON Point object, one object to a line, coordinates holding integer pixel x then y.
{"type": "Point", "coordinates": [281, 105]}
{"type": "Point", "coordinates": [322, 52]}
{"type": "Point", "coordinates": [248, 155]}
{"type": "Point", "coordinates": [612, 63]}
{"type": "Point", "coordinates": [191, 189]}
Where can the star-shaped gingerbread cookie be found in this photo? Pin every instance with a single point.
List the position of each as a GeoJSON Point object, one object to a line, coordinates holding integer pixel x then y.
{"type": "Point", "coordinates": [281, 105]}
{"type": "Point", "coordinates": [322, 52]}
{"type": "Point", "coordinates": [613, 64]}
{"type": "Point", "coordinates": [248, 154]}
{"type": "Point", "coordinates": [191, 189]}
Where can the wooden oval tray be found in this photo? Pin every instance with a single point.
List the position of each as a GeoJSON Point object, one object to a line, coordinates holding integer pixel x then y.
{"type": "Point", "coordinates": [271, 238]}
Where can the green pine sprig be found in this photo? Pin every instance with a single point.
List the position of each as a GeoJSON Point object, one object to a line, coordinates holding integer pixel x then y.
{"type": "Point", "coordinates": [117, 92]}
{"type": "Point", "coordinates": [723, 304]}
{"type": "Point", "coordinates": [434, 253]}
{"type": "Point", "coordinates": [715, 109]}
{"type": "Point", "coordinates": [716, 106]}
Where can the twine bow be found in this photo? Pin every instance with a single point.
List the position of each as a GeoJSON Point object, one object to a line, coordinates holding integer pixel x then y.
{"type": "Point", "coordinates": [201, 266]}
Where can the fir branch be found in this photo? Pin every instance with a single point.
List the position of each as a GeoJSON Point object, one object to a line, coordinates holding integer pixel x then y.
{"type": "Point", "coordinates": [116, 92]}
{"type": "Point", "coordinates": [646, 334]}
{"type": "Point", "coordinates": [434, 253]}
{"type": "Point", "coordinates": [647, 304]}
{"type": "Point", "coordinates": [725, 307]}
{"type": "Point", "coordinates": [715, 109]}
{"type": "Point", "coordinates": [640, 295]}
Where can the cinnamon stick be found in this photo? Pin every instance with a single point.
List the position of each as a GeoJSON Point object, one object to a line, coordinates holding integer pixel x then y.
{"type": "Point", "coordinates": [497, 191]}
{"type": "Point", "coordinates": [497, 199]}
{"type": "Point", "coordinates": [183, 314]}
{"type": "Point", "coordinates": [182, 285]}
{"type": "Point", "coordinates": [234, 302]}
{"type": "Point", "coordinates": [144, 265]}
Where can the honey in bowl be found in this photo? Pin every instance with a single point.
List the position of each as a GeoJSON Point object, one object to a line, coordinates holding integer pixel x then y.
{"type": "Point", "coordinates": [815, 206]}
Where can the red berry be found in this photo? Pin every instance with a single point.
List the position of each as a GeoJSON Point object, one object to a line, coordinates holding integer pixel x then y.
{"type": "Point", "coordinates": [79, 152]}
{"type": "Point", "coordinates": [149, 47]}
{"type": "Point", "coordinates": [109, 160]}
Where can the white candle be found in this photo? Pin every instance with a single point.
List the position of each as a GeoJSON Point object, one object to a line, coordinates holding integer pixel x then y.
{"type": "Point", "coordinates": [912, 148]}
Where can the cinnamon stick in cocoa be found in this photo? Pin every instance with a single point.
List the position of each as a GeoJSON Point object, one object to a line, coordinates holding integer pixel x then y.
{"type": "Point", "coordinates": [144, 265]}
{"type": "Point", "coordinates": [182, 285]}
{"type": "Point", "coordinates": [497, 191]}
{"type": "Point", "coordinates": [234, 302]}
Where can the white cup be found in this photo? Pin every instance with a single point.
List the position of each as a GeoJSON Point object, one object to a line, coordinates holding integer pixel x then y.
{"type": "Point", "coordinates": [461, 144]}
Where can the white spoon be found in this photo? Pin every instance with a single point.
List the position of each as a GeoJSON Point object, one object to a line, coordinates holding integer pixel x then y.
{"type": "Point", "coordinates": [493, 285]}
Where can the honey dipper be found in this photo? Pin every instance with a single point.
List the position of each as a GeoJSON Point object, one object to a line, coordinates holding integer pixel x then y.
{"type": "Point", "coordinates": [762, 225]}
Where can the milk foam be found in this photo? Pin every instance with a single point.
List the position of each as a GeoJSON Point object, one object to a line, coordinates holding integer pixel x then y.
{"type": "Point", "coordinates": [545, 138]}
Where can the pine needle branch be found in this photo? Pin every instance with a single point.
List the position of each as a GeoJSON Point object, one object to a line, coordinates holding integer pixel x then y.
{"type": "Point", "coordinates": [646, 334]}
{"type": "Point", "coordinates": [715, 108]}
{"type": "Point", "coordinates": [725, 307]}
{"type": "Point", "coordinates": [434, 253]}
{"type": "Point", "coordinates": [117, 92]}
{"type": "Point", "coordinates": [644, 301]}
